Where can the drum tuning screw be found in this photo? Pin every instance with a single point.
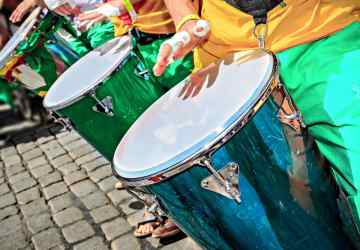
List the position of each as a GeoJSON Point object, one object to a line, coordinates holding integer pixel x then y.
{"type": "Point", "coordinates": [205, 183]}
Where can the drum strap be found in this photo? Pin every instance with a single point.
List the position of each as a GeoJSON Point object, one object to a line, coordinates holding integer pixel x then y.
{"type": "Point", "coordinates": [131, 10]}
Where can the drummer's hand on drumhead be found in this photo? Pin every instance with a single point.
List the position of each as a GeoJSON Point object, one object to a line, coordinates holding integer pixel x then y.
{"type": "Point", "coordinates": [22, 9]}
{"type": "Point", "coordinates": [183, 42]}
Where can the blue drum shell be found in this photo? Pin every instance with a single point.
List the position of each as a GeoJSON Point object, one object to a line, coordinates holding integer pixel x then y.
{"type": "Point", "coordinates": [288, 199]}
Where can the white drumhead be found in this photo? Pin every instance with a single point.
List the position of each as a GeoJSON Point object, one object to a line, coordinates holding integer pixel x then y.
{"type": "Point", "coordinates": [19, 36]}
{"type": "Point", "coordinates": [175, 129]}
{"type": "Point", "coordinates": [87, 73]}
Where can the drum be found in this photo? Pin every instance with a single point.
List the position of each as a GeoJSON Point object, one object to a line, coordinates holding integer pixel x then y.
{"type": "Point", "coordinates": [35, 55]}
{"type": "Point", "coordinates": [103, 93]}
{"type": "Point", "coordinates": [231, 163]}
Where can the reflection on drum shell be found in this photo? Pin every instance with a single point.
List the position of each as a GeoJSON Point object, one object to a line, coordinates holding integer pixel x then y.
{"type": "Point", "coordinates": [288, 201]}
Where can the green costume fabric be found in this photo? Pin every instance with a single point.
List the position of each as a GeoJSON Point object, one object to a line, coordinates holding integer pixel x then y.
{"type": "Point", "coordinates": [323, 78]}
{"type": "Point", "coordinates": [6, 93]}
{"type": "Point", "coordinates": [92, 38]}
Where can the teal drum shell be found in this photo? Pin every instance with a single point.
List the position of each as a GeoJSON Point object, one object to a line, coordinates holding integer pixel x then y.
{"type": "Point", "coordinates": [287, 198]}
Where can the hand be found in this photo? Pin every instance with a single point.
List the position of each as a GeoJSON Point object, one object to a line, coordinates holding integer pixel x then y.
{"type": "Point", "coordinates": [196, 81]}
{"type": "Point", "coordinates": [167, 55]}
{"type": "Point", "coordinates": [22, 9]}
{"type": "Point", "coordinates": [67, 10]}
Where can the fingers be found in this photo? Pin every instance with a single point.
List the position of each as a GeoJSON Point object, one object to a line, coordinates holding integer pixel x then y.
{"type": "Point", "coordinates": [163, 59]}
{"type": "Point", "coordinates": [18, 13]}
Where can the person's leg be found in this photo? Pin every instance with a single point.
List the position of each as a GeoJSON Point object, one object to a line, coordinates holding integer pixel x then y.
{"type": "Point", "coordinates": [323, 79]}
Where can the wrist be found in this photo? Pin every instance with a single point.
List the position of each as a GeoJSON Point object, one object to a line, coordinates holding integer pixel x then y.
{"type": "Point", "coordinates": [185, 19]}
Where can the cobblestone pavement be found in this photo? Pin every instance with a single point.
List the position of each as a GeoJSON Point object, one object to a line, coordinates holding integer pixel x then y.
{"type": "Point", "coordinates": [57, 192]}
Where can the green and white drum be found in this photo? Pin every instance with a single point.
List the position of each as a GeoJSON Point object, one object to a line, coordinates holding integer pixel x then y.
{"type": "Point", "coordinates": [103, 93]}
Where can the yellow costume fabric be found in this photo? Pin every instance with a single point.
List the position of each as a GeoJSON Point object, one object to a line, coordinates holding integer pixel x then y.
{"type": "Point", "coordinates": [298, 22]}
{"type": "Point", "coordinates": [153, 17]}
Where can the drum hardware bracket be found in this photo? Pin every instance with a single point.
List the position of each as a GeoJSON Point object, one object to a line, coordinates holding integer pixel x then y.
{"type": "Point", "coordinates": [103, 106]}
{"type": "Point", "coordinates": [224, 182]}
{"type": "Point", "coordinates": [65, 122]}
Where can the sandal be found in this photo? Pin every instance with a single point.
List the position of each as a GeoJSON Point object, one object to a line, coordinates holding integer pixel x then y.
{"type": "Point", "coordinates": [168, 229]}
{"type": "Point", "coordinates": [150, 220]}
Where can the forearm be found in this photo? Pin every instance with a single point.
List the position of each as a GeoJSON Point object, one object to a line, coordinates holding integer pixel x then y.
{"type": "Point", "coordinates": [180, 8]}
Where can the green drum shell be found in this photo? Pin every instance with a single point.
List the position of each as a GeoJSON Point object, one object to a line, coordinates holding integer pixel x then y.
{"type": "Point", "coordinates": [131, 94]}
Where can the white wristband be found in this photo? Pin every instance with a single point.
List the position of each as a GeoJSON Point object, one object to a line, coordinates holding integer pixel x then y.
{"type": "Point", "coordinates": [201, 28]}
{"type": "Point", "coordinates": [179, 39]}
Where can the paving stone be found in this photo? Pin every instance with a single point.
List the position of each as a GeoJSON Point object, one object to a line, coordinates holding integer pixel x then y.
{"type": "Point", "coordinates": [101, 173]}
{"type": "Point", "coordinates": [10, 225]}
{"type": "Point", "coordinates": [33, 208]}
{"type": "Point", "coordinates": [94, 200]}
{"type": "Point", "coordinates": [118, 196]}
{"type": "Point", "coordinates": [134, 218]}
{"type": "Point", "coordinates": [11, 160]}
{"type": "Point", "coordinates": [55, 153]}
{"type": "Point", "coordinates": [7, 200]}
{"type": "Point", "coordinates": [44, 139]}
{"type": "Point", "coordinates": [23, 137]}
{"type": "Point", "coordinates": [15, 169]}
{"type": "Point", "coordinates": [68, 216]}
{"type": "Point", "coordinates": [59, 131]}
{"type": "Point", "coordinates": [8, 211]}
{"type": "Point", "coordinates": [24, 147]}
{"type": "Point", "coordinates": [127, 241]}
{"type": "Point", "coordinates": [10, 150]}
{"type": "Point", "coordinates": [28, 195]}
{"type": "Point", "coordinates": [18, 177]}
{"type": "Point", "coordinates": [83, 188]}
{"type": "Point", "coordinates": [55, 190]}
{"type": "Point", "coordinates": [68, 168]}
{"type": "Point", "coordinates": [47, 239]}
{"type": "Point", "coordinates": [87, 158]}
{"type": "Point", "coordinates": [91, 166]}
{"type": "Point", "coordinates": [2, 180]}
{"type": "Point", "coordinates": [115, 228]}
{"type": "Point", "coordinates": [108, 184]}
{"type": "Point", "coordinates": [186, 243]}
{"type": "Point", "coordinates": [49, 146]}
{"type": "Point", "coordinates": [61, 202]}
{"type": "Point", "coordinates": [61, 161]}
{"type": "Point", "coordinates": [58, 247]}
{"type": "Point", "coordinates": [41, 171]}
{"type": "Point", "coordinates": [49, 179]}
{"type": "Point", "coordinates": [81, 151]}
{"type": "Point", "coordinates": [131, 206]}
{"type": "Point", "coordinates": [95, 243]}
{"type": "Point", "coordinates": [32, 154]}
{"type": "Point", "coordinates": [75, 144]}
{"type": "Point", "coordinates": [4, 188]}
{"type": "Point", "coordinates": [15, 240]}
{"type": "Point", "coordinates": [23, 184]}
{"type": "Point", "coordinates": [105, 213]}
{"type": "Point", "coordinates": [71, 136]}
{"type": "Point", "coordinates": [37, 162]}
{"type": "Point", "coordinates": [39, 223]}
{"type": "Point", "coordinates": [1, 171]}
{"type": "Point", "coordinates": [78, 231]}
{"type": "Point", "coordinates": [75, 176]}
